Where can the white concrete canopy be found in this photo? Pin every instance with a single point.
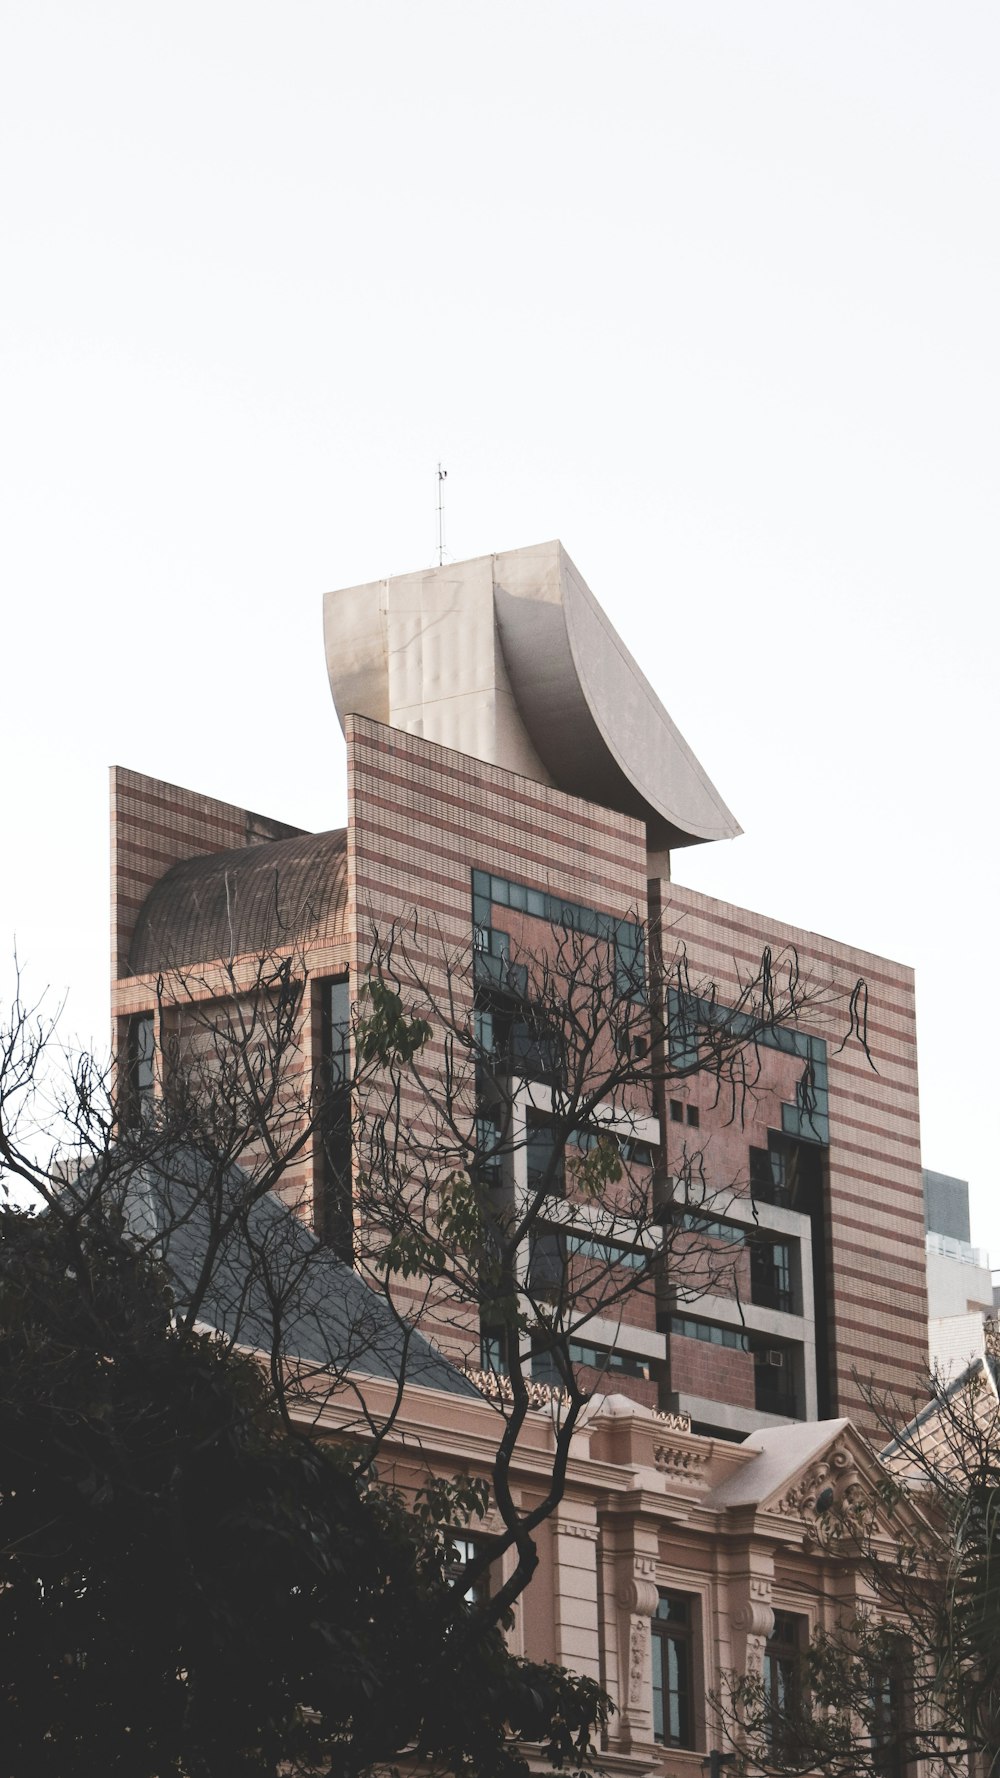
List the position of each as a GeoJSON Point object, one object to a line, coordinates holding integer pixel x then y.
{"type": "Point", "coordinates": [510, 658]}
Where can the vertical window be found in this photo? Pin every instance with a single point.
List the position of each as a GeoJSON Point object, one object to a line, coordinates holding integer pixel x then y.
{"type": "Point", "coordinates": [771, 1275]}
{"type": "Point", "coordinates": [783, 1676]}
{"type": "Point", "coordinates": [465, 1550]}
{"type": "Point", "coordinates": [545, 1160]}
{"type": "Point", "coordinates": [547, 1265]}
{"type": "Point", "coordinates": [493, 1350]}
{"type": "Point", "coordinates": [140, 1068]}
{"type": "Point", "coordinates": [673, 1670]}
{"type": "Point", "coordinates": [890, 1717]}
{"type": "Point", "coordinates": [334, 1199]}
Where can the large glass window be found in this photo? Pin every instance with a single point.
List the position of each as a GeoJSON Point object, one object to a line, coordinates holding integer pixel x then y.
{"type": "Point", "coordinates": [673, 1670]}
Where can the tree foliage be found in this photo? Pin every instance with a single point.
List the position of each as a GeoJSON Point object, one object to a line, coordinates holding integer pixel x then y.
{"type": "Point", "coordinates": [189, 1588]}
{"type": "Point", "coordinates": [177, 1536]}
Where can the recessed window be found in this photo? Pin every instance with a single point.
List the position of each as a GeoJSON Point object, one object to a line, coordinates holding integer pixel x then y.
{"type": "Point", "coordinates": [140, 1068]}
{"type": "Point", "coordinates": [774, 1381]}
{"type": "Point", "coordinates": [544, 1368]}
{"type": "Point", "coordinates": [890, 1705]}
{"type": "Point", "coordinates": [547, 1265]}
{"type": "Point", "coordinates": [673, 1670]}
{"type": "Point", "coordinates": [693, 1116]}
{"type": "Point", "coordinates": [676, 1111]}
{"type": "Point", "coordinates": [771, 1274]}
{"type": "Point", "coordinates": [545, 1158]}
{"type": "Point", "coordinates": [708, 1331]}
{"type": "Point", "coordinates": [333, 1216]}
{"type": "Point", "coordinates": [465, 1550]}
{"type": "Point", "coordinates": [782, 1676]}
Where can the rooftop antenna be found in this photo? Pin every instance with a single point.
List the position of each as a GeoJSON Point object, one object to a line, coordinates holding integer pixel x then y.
{"type": "Point", "coordinates": [442, 478]}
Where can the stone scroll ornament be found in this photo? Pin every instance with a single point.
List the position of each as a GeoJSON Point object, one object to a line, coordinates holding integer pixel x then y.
{"type": "Point", "coordinates": [831, 1500]}
{"type": "Point", "coordinates": [639, 1597]}
{"type": "Point", "coordinates": [754, 1619]}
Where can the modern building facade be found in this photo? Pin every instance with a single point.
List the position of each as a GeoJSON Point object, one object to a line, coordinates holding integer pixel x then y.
{"type": "Point", "coordinates": [959, 1281]}
{"type": "Point", "coordinates": [508, 761]}
{"type": "Point", "coordinates": [512, 777]}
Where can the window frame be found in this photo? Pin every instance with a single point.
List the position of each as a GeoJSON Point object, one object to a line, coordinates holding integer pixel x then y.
{"type": "Point", "coordinates": [784, 1651]}
{"type": "Point", "coordinates": [664, 1634]}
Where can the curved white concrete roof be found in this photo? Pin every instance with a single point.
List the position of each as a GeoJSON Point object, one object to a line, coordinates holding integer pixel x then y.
{"type": "Point", "coordinates": [511, 659]}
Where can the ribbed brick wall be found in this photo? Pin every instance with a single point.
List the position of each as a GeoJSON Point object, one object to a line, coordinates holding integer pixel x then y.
{"type": "Point", "coordinates": [421, 817]}
{"type": "Point", "coordinates": [154, 825]}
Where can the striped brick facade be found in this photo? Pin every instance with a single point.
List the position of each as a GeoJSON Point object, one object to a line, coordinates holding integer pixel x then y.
{"type": "Point", "coordinates": [422, 818]}
{"type": "Point", "coordinates": [876, 1292]}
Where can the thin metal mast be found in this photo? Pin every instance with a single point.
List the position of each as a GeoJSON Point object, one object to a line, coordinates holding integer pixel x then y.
{"type": "Point", "coordinates": [442, 478]}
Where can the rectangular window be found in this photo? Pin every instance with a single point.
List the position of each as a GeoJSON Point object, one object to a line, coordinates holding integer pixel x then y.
{"type": "Point", "coordinates": [489, 1151]}
{"type": "Point", "coordinates": [546, 1170]}
{"type": "Point", "coordinates": [768, 1181]}
{"type": "Point", "coordinates": [889, 1703]}
{"type": "Point", "coordinates": [465, 1549]}
{"type": "Point", "coordinates": [673, 1670]}
{"type": "Point", "coordinates": [544, 1368]}
{"type": "Point", "coordinates": [547, 1265]}
{"type": "Point", "coordinates": [610, 1253]}
{"type": "Point", "coordinates": [140, 1068]}
{"type": "Point", "coordinates": [493, 1350]}
{"type": "Point", "coordinates": [774, 1381]}
{"type": "Point", "coordinates": [707, 1225]}
{"type": "Point", "coordinates": [705, 1330]}
{"type": "Point", "coordinates": [771, 1275]}
{"type": "Point", "coordinates": [782, 1676]}
{"type": "Point", "coordinates": [334, 1218]}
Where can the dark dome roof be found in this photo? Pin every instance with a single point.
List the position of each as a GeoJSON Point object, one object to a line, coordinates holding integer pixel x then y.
{"type": "Point", "coordinates": [256, 898]}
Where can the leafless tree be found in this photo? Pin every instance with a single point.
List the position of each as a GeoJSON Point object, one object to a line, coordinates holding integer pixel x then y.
{"type": "Point", "coordinates": [909, 1679]}
{"type": "Point", "coordinates": [504, 1192]}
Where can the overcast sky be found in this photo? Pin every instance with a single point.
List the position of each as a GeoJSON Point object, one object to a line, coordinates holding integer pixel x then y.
{"type": "Point", "coordinates": [710, 291]}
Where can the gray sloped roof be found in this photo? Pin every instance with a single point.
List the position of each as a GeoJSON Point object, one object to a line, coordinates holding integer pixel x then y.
{"type": "Point", "coordinates": [255, 898]}
{"type": "Point", "coordinates": [271, 1273]}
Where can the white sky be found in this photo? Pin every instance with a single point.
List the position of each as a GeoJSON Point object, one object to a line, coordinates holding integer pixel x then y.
{"type": "Point", "coordinates": [710, 291]}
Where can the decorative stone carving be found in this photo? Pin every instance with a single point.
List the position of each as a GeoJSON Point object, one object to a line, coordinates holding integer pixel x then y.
{"type": "Point", "coordinates": [640, 1595]}
{"type": "Point", "coordinates": [673, 1422]}
{"type": "Point", "coordinates": [573, 1528]}
{"type": "Point", "coordinates": [638, 1649]}
{"type": "Point", "coordinates": [753, 1620]}
{"type": "Point", "coordinates": [679, 1462]}
{"type": "Point", "coordinates": [831, 1499]}
{"type": "Point", "coordinates": [499, 1388]}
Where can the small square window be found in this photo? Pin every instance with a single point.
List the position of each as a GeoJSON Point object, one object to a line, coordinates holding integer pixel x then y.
{"type": "Point", "coordinates": [693, 1116]}
{"type": "Point", "coordinates": [676, 1111]}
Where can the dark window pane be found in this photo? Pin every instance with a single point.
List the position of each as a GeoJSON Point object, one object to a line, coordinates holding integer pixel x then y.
{"type": "Point", "coordinates": [673, 1650]}
{"type": "Point", "coordinates": [334, 1210]}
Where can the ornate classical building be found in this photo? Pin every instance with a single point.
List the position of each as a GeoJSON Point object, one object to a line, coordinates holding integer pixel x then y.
{"type": "Point", "coordinates": [511, 775]}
